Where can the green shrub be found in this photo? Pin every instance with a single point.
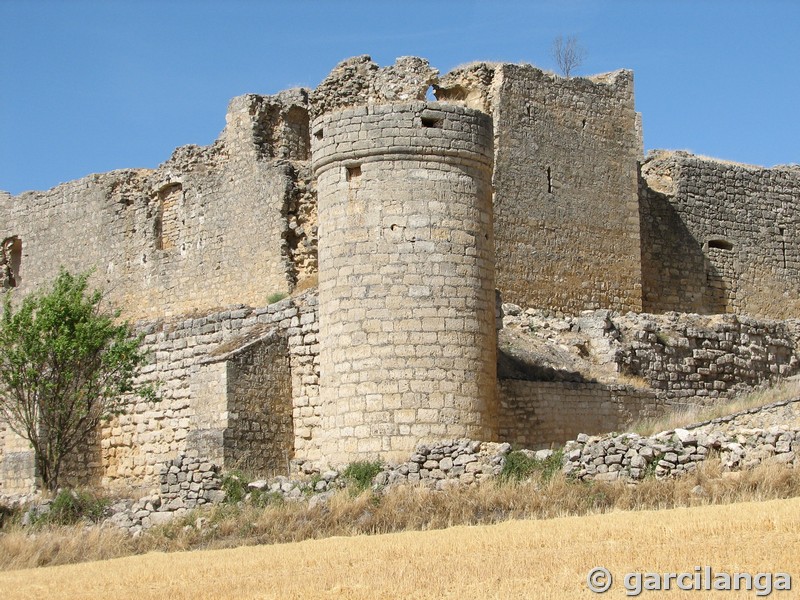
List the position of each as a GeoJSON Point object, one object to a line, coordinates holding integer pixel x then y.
{"type": "Point", "coordinates": [276, 297]}
{"type": "Point", "coordinates": [73, 506]}
{"type": "Point", "coordinates": [551, 465]}
{"type": "Point", "coordinates": [234, 484]}
{"type": "Point", "coordinates": [359, 474]}
{"type": "Point", "coordinates": [519, 465]}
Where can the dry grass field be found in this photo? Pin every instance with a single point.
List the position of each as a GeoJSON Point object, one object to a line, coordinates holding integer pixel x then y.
{"type": "Point", "coordinates": [689, 415]}
{"type": "Point", "coordinates": [517, 559]}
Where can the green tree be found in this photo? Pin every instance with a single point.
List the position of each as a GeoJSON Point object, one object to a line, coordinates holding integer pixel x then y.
{"type": "Point", "coordinates": [65, 365]}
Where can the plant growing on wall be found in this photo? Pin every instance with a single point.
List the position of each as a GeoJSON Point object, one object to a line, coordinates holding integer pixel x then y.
{"type": "Point", "coordinates": [568, 54]}
{"type": "Point", "coordinates": [65, 365]}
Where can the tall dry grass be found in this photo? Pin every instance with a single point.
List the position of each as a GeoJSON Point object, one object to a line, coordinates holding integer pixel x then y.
{"type": "Point", "coordinates": [398, 509]}
{"type": "Point", "coordinates": [518, 559]}
{"type": "Point", "coordinates": [785, 390]}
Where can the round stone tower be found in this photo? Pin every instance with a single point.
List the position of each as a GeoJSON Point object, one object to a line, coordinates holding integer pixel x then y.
{"type": "Point", "coordinates": [406, 278]}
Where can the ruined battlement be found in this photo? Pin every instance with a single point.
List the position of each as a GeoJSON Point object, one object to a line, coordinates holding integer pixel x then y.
{"type": "Point", "coordinates": [433, 130]}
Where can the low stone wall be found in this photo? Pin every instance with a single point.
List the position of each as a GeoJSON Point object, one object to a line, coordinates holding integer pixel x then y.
{"type": "Point", "coordinates": [446, 463]}
{"type": "Point", "coordinates": [186, 483]}
{"type": "Point", "coordinates": [538, 414]}
{"type": "Point", "coordinates": [439, 465]}
{"type": "Point", "coordinates": [189, 482]}
{"type": "Point", "coordinates": [672, 453]}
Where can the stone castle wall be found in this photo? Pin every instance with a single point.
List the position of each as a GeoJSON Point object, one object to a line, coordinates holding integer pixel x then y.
{"type": "Point", "coordinates": [719, 237]}
{"type": "Point", "coordinates": [406, 277]}
{"type": "Point", "coordinates": [516, 179]}
{"type": "Point", "coordinates": [203, 394]}
{"type": "Point", "coordinates": [538, 414]}
{"type": "Point", "coordinates": [565, 205]}
{"type": "Point", "coordinates": [206, 229]}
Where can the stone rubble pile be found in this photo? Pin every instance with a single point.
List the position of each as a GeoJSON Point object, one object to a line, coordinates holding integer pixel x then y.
{"type": "Point", "coordinates": [185, 483]}
{"type": "Point", "coordinates": [447, 462]}
{"type": "Point", "coordinates": [673, 453]}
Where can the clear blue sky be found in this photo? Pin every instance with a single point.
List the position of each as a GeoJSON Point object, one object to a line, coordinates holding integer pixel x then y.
{"type": "Point", "coordinates": [91, 86]}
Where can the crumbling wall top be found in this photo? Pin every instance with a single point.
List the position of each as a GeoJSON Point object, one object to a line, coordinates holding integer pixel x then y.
{"type": "Point", "coordinates": [662, 169]}
{"type": "Point", "coordinates": [470, 85]}
{"type": "Point", "coordinates": [359, 81]}
{"type": "Point", "coordinates": [477, 84]}
{"type": "Point", "coordinates": [270, 126]}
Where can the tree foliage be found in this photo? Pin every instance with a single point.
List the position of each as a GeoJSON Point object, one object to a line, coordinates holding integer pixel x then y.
{"type": "Point", "coordinates": [65, 364]}
{"type": "Point", "coordinates": [568, 54]}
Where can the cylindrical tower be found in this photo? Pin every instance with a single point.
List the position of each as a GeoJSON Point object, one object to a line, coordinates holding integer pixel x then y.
{"type": "Point", "coordinates": [406, 278]}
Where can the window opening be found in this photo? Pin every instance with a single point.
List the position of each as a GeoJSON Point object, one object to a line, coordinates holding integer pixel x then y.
{"type": "Point", "coordinates": [721, 244]}
{"type": "Point", "coordinates": [10, 262]}
{"type": "Point", "coordinates": [353, 172]}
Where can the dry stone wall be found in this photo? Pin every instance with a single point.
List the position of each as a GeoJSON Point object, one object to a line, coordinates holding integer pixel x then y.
{"type": "Point", "coordinates": [734, 439]}
{"type": "Point", "coordinates": [406, 277]}
{"type": "Point", "coordinates": [185, 483]}
{"type": "Point", "coordinates": [696, 359]}
{"type": "Point", "coordinates": [719, 237]}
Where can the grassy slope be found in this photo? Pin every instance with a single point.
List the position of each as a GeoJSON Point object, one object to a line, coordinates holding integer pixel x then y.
{"type": "Point", "coordinates": [517, 559]}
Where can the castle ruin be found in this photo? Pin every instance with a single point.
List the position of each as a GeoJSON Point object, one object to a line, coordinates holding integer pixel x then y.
{"type": "Point", "coordinates": [389, 224]}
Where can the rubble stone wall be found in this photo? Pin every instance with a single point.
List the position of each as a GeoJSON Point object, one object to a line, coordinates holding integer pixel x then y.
{"type": "Point", "coordinates": [742, 441]}
{"type": "Point", "coordinates": [701, 358]}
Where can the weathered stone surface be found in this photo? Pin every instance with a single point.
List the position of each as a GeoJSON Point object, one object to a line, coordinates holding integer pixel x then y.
{"type": "Point", "coordinates": [720, 237]}
{"type": "Point", "coordinates": [426, 209]}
